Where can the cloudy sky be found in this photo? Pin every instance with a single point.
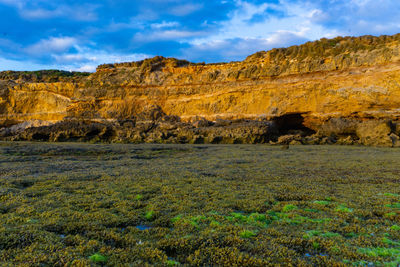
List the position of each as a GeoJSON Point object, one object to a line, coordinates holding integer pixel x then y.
{"type": "Point", "coordinates": [79, 35]}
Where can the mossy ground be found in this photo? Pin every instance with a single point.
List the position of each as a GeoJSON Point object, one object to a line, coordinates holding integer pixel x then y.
{"type": "Point", "coordinates": [171, 205]}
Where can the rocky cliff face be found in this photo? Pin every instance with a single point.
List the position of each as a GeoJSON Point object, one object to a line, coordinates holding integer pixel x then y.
{"type": "Point", "coordinates": [342, 90]}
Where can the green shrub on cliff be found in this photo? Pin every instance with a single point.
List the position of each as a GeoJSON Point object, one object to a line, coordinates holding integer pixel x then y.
{"type": "Point", "coordinates": [42, 75]}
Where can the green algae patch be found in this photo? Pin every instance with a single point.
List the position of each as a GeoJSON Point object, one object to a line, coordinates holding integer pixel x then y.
{"type": "Point", "coordinates": [390, 214]}
{"type": "Point", "coordinates": [327, 234]}
{"type": "Point", "coordinates": [393, 206]}
{"type": "Point", "coordinates": [215, 223]}
{"type": "Point", "coordinates": [316, 245]}
{"type": "Point", "coordinates": [389, 242]}
{"type": "Point", "coordinates": [395, 227]}
{"type": "Point", "coordinates": [139, 197]}
{"type": "Point", "coordinates": [289, 208]}
{"type": "Point", "coordinates": [322, 202]}
{"type": "Point", "coordinates": [149, 215]}
{"type": "Point", "coordinates": [343, 208]}
{"type": "Point", "coordinates": [177, 218]}
{"type": "Point", "coordinates": [391, 195]}
{"type": "Point", "coordinates": [380, 252]}
{"type": "Point", "coordinates": [217, 206]}
{"type": "Point", "coordinates": [172, 263]}
{"type": "Point", "coordinates": [98, 258]}
{"type": "Point", "coordinates": [247, 234]}
{"type": "Point", "coordinates": [255, 219]}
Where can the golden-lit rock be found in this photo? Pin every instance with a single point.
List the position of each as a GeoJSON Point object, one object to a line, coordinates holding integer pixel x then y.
{"type": "Point", "coordinates": [351, 78]}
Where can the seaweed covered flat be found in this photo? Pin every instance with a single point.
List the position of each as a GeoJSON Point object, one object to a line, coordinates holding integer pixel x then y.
{"type": "Point", "coordinates": [198, 205]}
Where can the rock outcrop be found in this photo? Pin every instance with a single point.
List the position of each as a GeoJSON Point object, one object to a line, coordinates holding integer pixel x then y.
{"type": "Point", "coordinates": [342, 90]}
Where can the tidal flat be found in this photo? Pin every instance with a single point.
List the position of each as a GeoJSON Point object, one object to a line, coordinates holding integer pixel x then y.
{"type": "Point", "coordinates": [79, 204]}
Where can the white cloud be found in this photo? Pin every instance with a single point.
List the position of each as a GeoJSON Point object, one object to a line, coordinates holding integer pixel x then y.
{"type": "Point", "coordinates": [101, 57]}
{"type": "Point", "coordinates": [240, 48]}
{"type": "Point", "coordinates": [177, 35]}
{"type": "Point", "coordinates": [360, 3]}
{"type": "Point", "coordinates": [86, 68]}
{"type": "Point", "coordinates": [41, 13]}
{"type": "Point", "coordinates": [165, 24]}
{"type": "Point", "coordinates": [319, 16]}
{"type": "Point", "coordinates": [285, 38]}
{"type": "Point", "coordinates": [9, 44]}
{"type": "Point", "coordinates": [118, 26]}
{"type": "Point", "coordinates": [69, 58]}
{"type": "Point", "coordinates": [51, 45]}
{"type": "Point", "coordinates": [28, 10]}
{"type": "Point", "coordinates": [355, 17]}
{"type": "Point", "coordinates": [88, 59]}
{"type": "Point", "coordinates": [84, 13]}
{"type": "Point", "coordinates": [237, 38]}
{"type": "Point", "coordinates": [184, 10]}
{"type": "Point", "coordinates": [26, 65]}
{"type": "Point", "coordinates": [15, 3]}
{"type": "Point", "coordinates": [241, 34]}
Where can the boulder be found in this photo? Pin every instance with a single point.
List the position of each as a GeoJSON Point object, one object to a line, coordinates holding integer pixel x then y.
{"type": "Point", "coordinates": [338, 127]}
{"type": "Point", "coordinates": [239, 132]}
{"type": "Point", "coordinates": [222, 123]}
{"type": "Point", "coordinates": [151, 113]}
{"type": "Point", "coordinates": [375, 132]}
{"type": "Point", "coordinates": [69, 130]}
{"type": "Point", "coordinates": [312, 139]}
{"type": "Point", "coordinates": [201, 123]}
{"type": "Point", "coordinates": [295, 142]}
{"type": "Point", "coordinates": [348, 140]}
{"type": "Point", "coordinates": [289, 139]}
{"type": "Point", "coordinates": [28, 124]}
{"type": "Point", "coordinates": [395, 140]}
{"type": "Point", "coordinates": [396, 128]}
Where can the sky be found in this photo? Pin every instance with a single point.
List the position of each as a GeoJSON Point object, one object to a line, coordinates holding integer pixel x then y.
{"type": "Point", "coordinates": [79, 35]}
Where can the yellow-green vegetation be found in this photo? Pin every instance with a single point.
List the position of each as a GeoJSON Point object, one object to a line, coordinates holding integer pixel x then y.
{"type": "Point", "coordinates": [43, 75]}
{"type": "Point", "coordinates": [322, 202]}
{"type": "Point", "coordinates": [343, 208]}
{"type": "Point", "coordinates": [149, 215]}
{"type": "Point", "coordinates": [247, 234]}
{"type": "Point", "coordinates": [172, 263]}
{"type": "Point", "coordinates": [323, 48]}
{"type": "Point", "coordinates": [198, 205]}
{"type": "Point", "coordinates": [289, 207]}
{"type": "Point", "coordinates": [98, 258]}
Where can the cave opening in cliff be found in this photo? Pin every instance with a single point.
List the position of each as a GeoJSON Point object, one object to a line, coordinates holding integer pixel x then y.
{"type": "Point", "coordinates": [292, 124]}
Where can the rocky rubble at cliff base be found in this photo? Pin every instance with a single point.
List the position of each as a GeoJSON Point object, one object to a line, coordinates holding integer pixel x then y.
{"type": "Point", "coordinates": [154, 126]}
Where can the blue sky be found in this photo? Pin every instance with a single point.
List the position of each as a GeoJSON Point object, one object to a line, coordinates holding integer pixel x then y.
{"type": "Point", "coordinates": [79, 35]}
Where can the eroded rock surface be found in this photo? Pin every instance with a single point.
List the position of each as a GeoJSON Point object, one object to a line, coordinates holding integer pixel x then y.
{"type": "Point", "coordinates": [342, 90]}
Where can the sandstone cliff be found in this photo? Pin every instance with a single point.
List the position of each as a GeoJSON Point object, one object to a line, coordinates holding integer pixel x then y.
{"type": "Point", "coordinates": [344, 90]}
